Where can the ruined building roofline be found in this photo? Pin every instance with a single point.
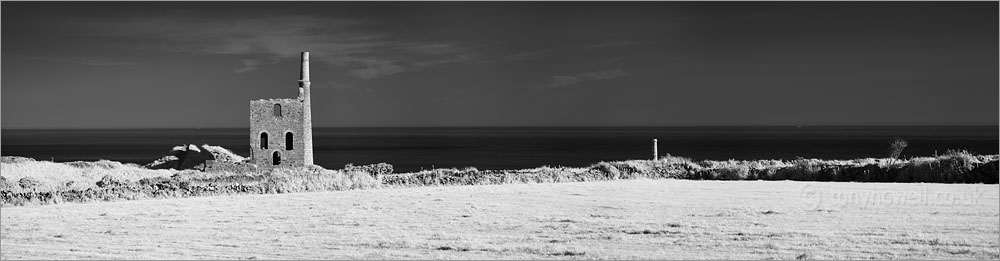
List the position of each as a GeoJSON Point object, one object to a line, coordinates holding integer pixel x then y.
{"type": "Point", "coordinates": [276, 100]}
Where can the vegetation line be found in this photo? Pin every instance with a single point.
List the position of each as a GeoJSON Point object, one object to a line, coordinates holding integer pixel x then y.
{"type": "Point", "coordinates": [25, 181]}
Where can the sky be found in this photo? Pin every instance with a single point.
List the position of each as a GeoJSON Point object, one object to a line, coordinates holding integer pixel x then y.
{"type": "Point", "coordinates": [374, 64]}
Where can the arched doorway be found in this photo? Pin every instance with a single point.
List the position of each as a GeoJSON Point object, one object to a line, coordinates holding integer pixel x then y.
{"type": "Point", "coordinates": [276, 159]}
{"type": "Point", "coordinates": [288, 141]}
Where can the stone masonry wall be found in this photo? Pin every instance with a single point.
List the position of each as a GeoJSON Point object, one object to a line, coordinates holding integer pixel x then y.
{"type": "Point", "coordinates": [263, 120]}
{"type": "Point", "coordinates": [222, 166]}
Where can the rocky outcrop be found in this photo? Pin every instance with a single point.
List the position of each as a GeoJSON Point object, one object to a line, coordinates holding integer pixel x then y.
{"type": "Point", "coordinates": [193, 157]}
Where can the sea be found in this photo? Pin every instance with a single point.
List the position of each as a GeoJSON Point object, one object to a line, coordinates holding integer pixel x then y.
{"type": "Point", "coordinates": [415, 149]}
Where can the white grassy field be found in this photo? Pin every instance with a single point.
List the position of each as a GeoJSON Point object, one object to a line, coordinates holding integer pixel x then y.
{"type": "Point", "coordinates": [636, 219]}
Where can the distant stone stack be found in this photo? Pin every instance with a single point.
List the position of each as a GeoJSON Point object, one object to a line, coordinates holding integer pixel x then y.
{"type": "Point", "coordinates": [281, 129]}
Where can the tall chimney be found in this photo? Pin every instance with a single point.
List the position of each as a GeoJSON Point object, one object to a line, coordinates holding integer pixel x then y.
{"type": "Point", "coordinates": [306, 110]}
{"type": "Point", "coordinates": [304, 71]}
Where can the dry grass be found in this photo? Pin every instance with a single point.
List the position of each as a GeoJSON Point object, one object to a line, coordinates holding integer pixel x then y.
{"type": "Point", "coordinates": [198, 184]}
{"type": "Point", "coordinates": [79, 175]}
{"type": "Point", "coordinates": [38, 182]}
{"type": "Point", "coordinates": [638, 219]}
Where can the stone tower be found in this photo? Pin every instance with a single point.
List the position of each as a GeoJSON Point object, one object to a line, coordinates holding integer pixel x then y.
{"type": "Point", "coordinates": [281, 129]}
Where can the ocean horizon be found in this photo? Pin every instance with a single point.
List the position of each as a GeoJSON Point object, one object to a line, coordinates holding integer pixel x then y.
{"type": "Point", "coordinates": [416, 148]}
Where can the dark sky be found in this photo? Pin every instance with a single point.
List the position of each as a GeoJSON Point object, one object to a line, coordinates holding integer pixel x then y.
{"type": "Point", "coordinates": [197, 64]}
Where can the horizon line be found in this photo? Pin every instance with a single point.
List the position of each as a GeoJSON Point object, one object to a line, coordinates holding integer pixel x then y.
{"type": "Point", "coordinates": [543, 126]}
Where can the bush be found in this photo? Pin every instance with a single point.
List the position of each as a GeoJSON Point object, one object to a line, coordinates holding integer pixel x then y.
{"type": "Point", "coordinates": [987, 173]}
{"type": "Point", "coordinates": [102, 164]}
{"type": "Point", "coordinates": [896, 147]}
{"type": "Point", "coordinates": [5, 185]}
{"type": "Point", "coordinates": [733, 172]}
{"type": "Point", "coordinates": [110, 181]}
{"type": "Point", "coordinates": [29, 183]}
{"type": "Point", "coordinates": [956, 164]}
{"type": "Point", "coordinates": [607, 170]}
{"type": "Point", "coordinates": [375, 170]}
{"type": "Point", "coordinates": [286, 180]}
{"type": "Point", "coordinates": [804, 169]}
{"type": "Point", "coordinates": [625, 170]}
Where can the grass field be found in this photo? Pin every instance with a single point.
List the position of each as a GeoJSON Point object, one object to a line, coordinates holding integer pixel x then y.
{"type": "Point", "coordinates": [634, 219]}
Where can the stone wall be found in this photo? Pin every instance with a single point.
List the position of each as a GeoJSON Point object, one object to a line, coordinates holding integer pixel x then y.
{"type": "Point", "coordinates": [264, 120]}
{"type": "Point", "coordinates": [233, 167]}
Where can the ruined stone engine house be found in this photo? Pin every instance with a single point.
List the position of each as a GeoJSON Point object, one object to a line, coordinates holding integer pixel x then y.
{"type": "Point", "coordinates": [281, 129]}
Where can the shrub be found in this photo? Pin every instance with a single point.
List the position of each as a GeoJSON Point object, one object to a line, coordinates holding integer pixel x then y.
{"type": "Point", "coordinates": [29, 183]}
{"type": "Point", "coordinates": [896, 147]}
{"type": "Point", "coordinates": [956, 164]}
{"type": "Point", "coordinates": [766, 173]}
{"type": "Point", "coordinates": [607, 170]}
{"type": "Point", "coordinates": [987, 173]}
{"type": "Point", "coordinates": [666, 168]}
{"type": "Point", "coordinates": [804, 169]}
{"type": "Point", "coordinates": [102, 164]}
{"type": "Point", "coordinates": [376, 170]}
{"type": "Point", "coordinates": [5, 185]}
{"type": "Point", "coordinates": [110, 181]}
{"type": "Point", "coordinates": [626, 170]}
{"type": "Point", "coordinates": [739, 172]}
{"type": "Point", "coordinates": [362, 180]}
{"type": "Point", "coordinates": [296, 180]}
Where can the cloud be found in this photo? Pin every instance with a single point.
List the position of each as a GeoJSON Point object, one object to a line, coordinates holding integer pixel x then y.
{"type": "Point", "coordinates": [349, 43]}
{"type": "Point", "coordinates": [566, 49]}
{"type": "Point", "coordinates": [253, 64]}
{"type": "Point", "coordinates": [465, 57]}
{"type": "Point", "coordinates": [625, 43]}
{"type": "Point", "coordinates": [602, 75]}
{"type": "Point", "coordinates": [456, 96]}
{"type": "Point", "coordinates": [377, 68]}
{"type": "Point", "coordinates": [279, 35]}
{"type": "Point", "coordinates": [524, 56]}
{"type": "Point", "coordinates": [341, 86]}
{"type": "Point", "coordinates": [429, 48]}
{"type": "Point", "coordinates": [560, 81]}
{"type": "Point", "coordinates": [92, 61]}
